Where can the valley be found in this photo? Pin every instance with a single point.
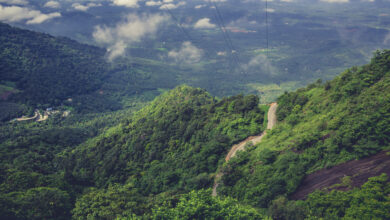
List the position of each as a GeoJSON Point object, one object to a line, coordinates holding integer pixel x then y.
{"type": "Point", "coordinates": [198, 109]}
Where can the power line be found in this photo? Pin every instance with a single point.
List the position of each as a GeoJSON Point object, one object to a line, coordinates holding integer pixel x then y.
{"type": "Point", "coordinates": [229, 48]}
{"type": "Point", "coordinates": [221, 29]}
{"type": "Point", "coordinates": [179, 25]}
{"type": "Point", "coordinates": [234, 51]}
{"type": "Point", "coordinates": [227, 38]}
{"type": "Point", "coordinates": [266, 27]}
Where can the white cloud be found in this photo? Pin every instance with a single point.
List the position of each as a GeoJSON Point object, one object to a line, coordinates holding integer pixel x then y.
{"type": "Point", "coordinates": [52, 4]}
{"type": "Point", "coordinates": [204, 23]}
{"type": "Point", "coordinates": [386, 40]}
{"type": "Point", "coordinates": [117, 50]}
{"type": "Point", "coordinates": [80, 7]}
{"type": "Point", "coordinates": [188, 54]}
{"type": "Point", "coordinates": [199, 6]}
{"type": "Point", "coordinates": [335, 1]}
{"type": "Point", "coordinates": [131, 30]}
{"type": "Point", "coordinates": [171, 6]}
{"type": "Point", "coordinates": [103, 35]}
{"type": "Point", "coordinates": [126, 3]}
{"type": "Point", "coordinates": [16, 13]}
{"type": "Point", "coordinates": [270, 10]}
{"type": "Point", "coordinates": [14, 2]}
{"type": "Point", "coordinates": [260, 62]}
{"type": "Point", "coordinates": [153, 3]}
{"type": "Point", "coordinates": [215, 0]}
{"type": "Point", "coordinates": [43, 17]}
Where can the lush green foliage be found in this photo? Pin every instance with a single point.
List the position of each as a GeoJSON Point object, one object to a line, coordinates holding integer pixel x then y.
{"type": "Point", "coordinates": [36, 203]}
{"type": "Point", "coordinates": [114, 202]}
{"type": "Point", "coordinates": [48, 69]}
{"type": "Point", "coordinates": [122, 202]}
{"type": "Point", "coordinates": [201, 205]}
{"type": "Point", "coordinates": [371, 201]}
{"type": "Point", "coordinates": [321, 126]}
{"type": "Point", "coordinates": [40, 71]}
{"type": "Point", "coordinates": [143, 164]}
{"type": "Point", "coordinates": [175, 143]}
{"type": "Point", "coordinates": [30, 154]}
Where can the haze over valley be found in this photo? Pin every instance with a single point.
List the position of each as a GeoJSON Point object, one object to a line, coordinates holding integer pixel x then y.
{"type": "Point", "coordinates": [202, 109]}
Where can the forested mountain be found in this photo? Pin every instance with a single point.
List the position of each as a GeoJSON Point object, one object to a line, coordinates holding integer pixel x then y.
{"type": "Point", "coordinates": [41, 71]}
{"type": "Point", "coordinates": [322, 126]}
{"type": "Point", "coordinates": [48, 69]}
{"type": "Point", "coordinates": [324, 158]}
{"type": "Point", "coordinates": [160, 163]}
{"type": "Point", "coordinates": [183, 129]}
{"type": "Point", "coordinates": [170, 147]}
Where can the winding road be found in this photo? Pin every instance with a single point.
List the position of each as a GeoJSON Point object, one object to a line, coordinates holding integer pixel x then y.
{"type": "Point", "coordinates": [241, 146]}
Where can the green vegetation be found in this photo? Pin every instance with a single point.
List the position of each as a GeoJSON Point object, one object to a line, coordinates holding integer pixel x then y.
{"type": "Point", "coordinates": [104, 161]}
{"type": "Point", "coordinates": [172, 146]}
{"type": "Point", "coordinates": [201, 205]}
{"type": "Point", "coordinates": [371, 201]}
{"type": "Point", "coordinates": [48, 69]}
{"type": "Point", "coordinates": [41, 71]}
{"type": "Point", "coordinates": [321, 126]}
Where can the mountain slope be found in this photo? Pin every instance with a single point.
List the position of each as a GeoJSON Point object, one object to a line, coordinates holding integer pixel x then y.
{"type": "Point", "coordinates": [320, 126]}
{"type": "Point", "coordinates": [48, 69]}
{"type": "Point", "coordinates": [183, 132]}
{"type": "Point", "coordinates": [41, 71]}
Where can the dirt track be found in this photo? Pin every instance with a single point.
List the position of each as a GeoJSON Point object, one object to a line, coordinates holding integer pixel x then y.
{"type": "Point", "coordinates": [358, 170]}
{"type": "Point", "coordinates": [254, 139]}
{"type": "Point", "coordinates": [24, 118]}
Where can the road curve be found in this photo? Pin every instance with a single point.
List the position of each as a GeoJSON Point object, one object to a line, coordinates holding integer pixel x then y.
{"type": "Point", "coordinates": [254, 139]}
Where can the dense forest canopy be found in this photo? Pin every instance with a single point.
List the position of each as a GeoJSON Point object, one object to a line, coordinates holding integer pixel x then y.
{"type": "Point", "coordinates": [48, 69]}
{"type": "Point", "coordinates": [171, 146]}
{"type": "Point", "coordinates": [174, 144]}
{"type": "Point", "coordinates": [39, 71]}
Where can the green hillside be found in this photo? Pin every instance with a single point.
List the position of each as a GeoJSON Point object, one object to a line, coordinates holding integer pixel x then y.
{"type": "Point", "coordinates": [172, 146]}
{"type": "Point", "coordinates": [48, 69]}
{"type": "Point", "coordinates": [320, 126]}
{"type": "Point", "coordinates": [41, 71]}
{"type": "Point", "coordinates": [118, 155]}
